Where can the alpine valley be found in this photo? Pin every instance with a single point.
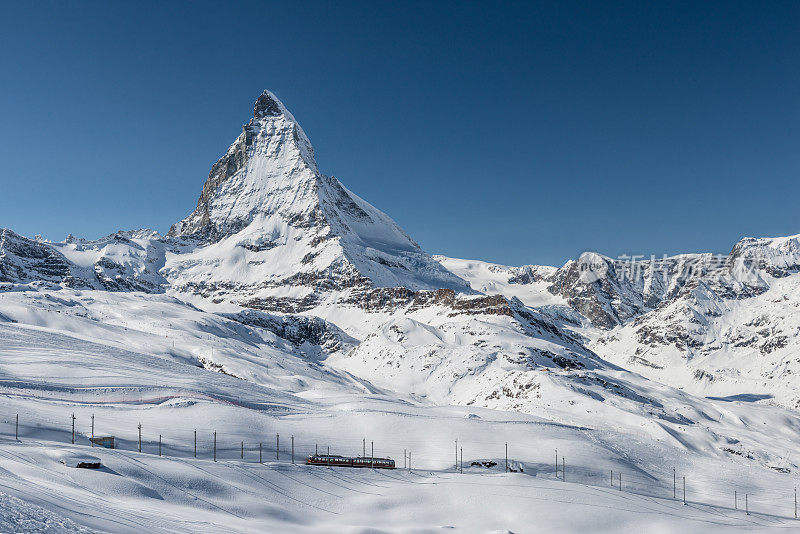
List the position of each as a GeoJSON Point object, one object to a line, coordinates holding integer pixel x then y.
{"type": "Point", "coordinates": [284, 303]}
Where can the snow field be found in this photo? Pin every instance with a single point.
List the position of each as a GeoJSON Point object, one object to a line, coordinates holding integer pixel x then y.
{"type": "Point", "coordinates": [132, 358]}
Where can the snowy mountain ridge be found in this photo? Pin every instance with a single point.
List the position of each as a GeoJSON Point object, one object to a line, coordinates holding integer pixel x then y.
{"type": "Point", "coordinates": [710, 324]}
{"type": "Point", "coordinates": [275, 244]}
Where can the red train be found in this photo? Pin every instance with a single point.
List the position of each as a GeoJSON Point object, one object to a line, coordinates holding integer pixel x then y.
{"type": "Point", "coordinates": [347, 461]}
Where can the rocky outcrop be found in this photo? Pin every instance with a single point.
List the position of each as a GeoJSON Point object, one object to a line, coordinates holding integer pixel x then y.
{"type": "Point", "coordinates": [298, 329]}
{"type": "Point", "coordinates": [24, 260]}
{"type": "Point", "coordinates": [123, 261]}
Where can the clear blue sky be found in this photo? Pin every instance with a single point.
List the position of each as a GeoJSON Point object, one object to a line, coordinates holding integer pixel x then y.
{"type": "Point", "coordinates": [516, 133]}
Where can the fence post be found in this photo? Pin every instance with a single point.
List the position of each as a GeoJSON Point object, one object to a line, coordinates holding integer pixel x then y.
{"type": "Point", "coordinates": [242, 455]}
{"type": "Point", "coordinates": [277, 446]}
{"type": "Point", "coordinates": [674, 484]}
{"type": "Point", "coordinates": [612, 483]}
{"type": "Point", "coordinates": [620, 481]}
{"type": "Point", "coordinates": [73, 427]}
{"type": "Point", "coordinates": [260, 460]}
{"type": "Point", "coordinates": [563, 470]}
{"type": "Point", "coordinates": [159, 444]}
{"type": "Point", "coordinates": [735, 500]}
{"type": "Point", "coordinates": [372, 456]}
{"type": "Point", "coordinates": [684, 491]}
{"type": "Point", "coordinates": [215, 445]}
{"type": "Point", "coordinates": [507, 458]}
{"type": "Point", "coordinates": [292, 449]}
{"type": "Point", "coordinates": [795, 503]}
{"type": "Point", "coordinates": [92, 440]}
{"type": "Point", "coordinates": [409, 460]}
{"type": "Point", "coordinates": [461, 466]}
{"type": "Point", "coordinates": [16, 430]}
{"type": "Point", "coordinates": [612, 478]}
{"type": "Point", "coordinates": [746, 506]}
{"type": "Point", "coordinates": [195, 443]}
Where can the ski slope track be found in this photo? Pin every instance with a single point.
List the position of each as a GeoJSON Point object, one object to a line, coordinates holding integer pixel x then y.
{"type": "Point", "coordinates": [286, 316]}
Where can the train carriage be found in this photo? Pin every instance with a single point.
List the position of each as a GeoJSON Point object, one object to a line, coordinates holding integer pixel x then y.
{"type": "Point", "coordinates": [335, 460]}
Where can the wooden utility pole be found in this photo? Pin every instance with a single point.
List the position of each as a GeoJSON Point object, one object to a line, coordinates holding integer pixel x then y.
{"type": "Point", "coordinates": [259, 454]}
{"type": "Point", "coordinates": [746, 506]}
{"type": "Point", "coordinates": [242, 455]}
{"type": "Point", "coordinates": [140, 436]}
{"type": "Point", "coordinates": [364, 448]}
{"type": "Point", "coordinates": [215, 445]}
{"type": "Point", "coordinates": [563, 470]}
{"type": "Point", "coordinates": [507, 457]}
{"type": "Point", "coordinates": [277, 446]}
{"type": "Point", "coordinates": [372, 454]}
{"type": "Point", "coordinates": [674, 483]}
{"type": "Point", "coordinates": [16, 430]}
{"type": "Point", "coordinates": [92, 440]}
{"type": "Point", "coordinates": [195, 443]}
{"type": "Point", "coordinates": [292, 449]}
{"type": "Point", "coordinates": [462, 462]}
{"type": "Point", "coordinates": [73, 427]}
{"type": "Point", "coordinates": [159, 444]}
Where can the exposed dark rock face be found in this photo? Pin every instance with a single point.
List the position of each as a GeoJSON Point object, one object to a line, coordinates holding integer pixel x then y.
{"type": "Point", "coordinates": [199, 223]}
{"type": "Point", "coordinates": [522, 275]}
{"type": "Point", "coordinates": [266, 105]}
{"type": "Point", "coordinates": [24, 260]}
{"type": "Point", "coordinates": [298, 329]}
{"type": "Point", "coordinates": [600, 296]}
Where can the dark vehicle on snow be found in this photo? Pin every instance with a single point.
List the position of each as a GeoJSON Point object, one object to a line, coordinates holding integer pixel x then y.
{"type": "Point", "coordinates": [348, 461]}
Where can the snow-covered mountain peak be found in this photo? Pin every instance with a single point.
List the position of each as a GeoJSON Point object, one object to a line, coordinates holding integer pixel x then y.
{"type": "Point", "coordinates": [270, 114]}
{"type": "Point", "coordinates": [778, 256]}
{"type": "Point", "coordinates": [269, 169]}
{"type": "Point", "coordinates": [267, 219]}
{"type": "Point", "coordinates": [268, 104]}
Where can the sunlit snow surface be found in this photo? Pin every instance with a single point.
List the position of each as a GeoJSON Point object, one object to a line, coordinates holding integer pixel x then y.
{"type": "Point", "coordinates": [131, 358]}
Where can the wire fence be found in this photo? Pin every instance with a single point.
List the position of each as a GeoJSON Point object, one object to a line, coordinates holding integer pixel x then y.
{"type": "Point", "coordinates": [778, 500]}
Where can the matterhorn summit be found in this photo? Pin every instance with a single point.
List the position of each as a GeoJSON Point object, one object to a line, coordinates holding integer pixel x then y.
{"type": "Point", "coordinates": [271, 230]}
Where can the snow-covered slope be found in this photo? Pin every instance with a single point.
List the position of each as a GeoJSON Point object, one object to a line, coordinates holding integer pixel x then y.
{"type": "Point", "coordinates": [528, 283]}
{"type": "Point", "coordinates": [121, 360]}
